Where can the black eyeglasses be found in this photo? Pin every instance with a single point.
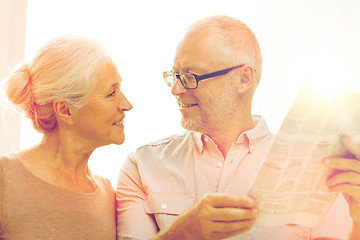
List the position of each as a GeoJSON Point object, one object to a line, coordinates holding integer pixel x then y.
{"type": "Point", "coordinates": [190, 80]}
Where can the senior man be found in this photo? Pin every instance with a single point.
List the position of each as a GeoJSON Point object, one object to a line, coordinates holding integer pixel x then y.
{"type": "Point", "coordinates": [193, 185]}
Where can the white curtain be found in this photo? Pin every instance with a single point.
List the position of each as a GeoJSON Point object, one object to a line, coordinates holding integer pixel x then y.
{"type": "Point", "coordinates": [12, 46]}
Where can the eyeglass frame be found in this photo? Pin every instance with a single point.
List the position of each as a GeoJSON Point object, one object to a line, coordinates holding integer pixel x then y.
{"type": "Point", "coordinates": [200, 77]}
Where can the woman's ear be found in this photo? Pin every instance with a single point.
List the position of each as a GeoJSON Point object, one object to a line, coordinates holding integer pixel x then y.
{"type": "Point", "coordinates": [62, 110]}
{"type": "Point", "coordinates": [246, 79]}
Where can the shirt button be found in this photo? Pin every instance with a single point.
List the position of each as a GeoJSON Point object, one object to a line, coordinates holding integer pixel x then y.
{"type": "Point", "coordinates": [219, 165]}
{"type": "Point", "coordinates": [206, 139]}
{"type": "Point", "coordinates": [163, 206]}
{"type": "Point", "coordinates": [252, 148]}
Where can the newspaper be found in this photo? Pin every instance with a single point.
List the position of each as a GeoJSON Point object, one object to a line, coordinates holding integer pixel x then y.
{"type": "Point", "coordinates": [290, 187]}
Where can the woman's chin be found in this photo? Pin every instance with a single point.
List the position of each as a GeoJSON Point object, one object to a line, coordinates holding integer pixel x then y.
{"type": "Point", "coordinates": [119, 141]}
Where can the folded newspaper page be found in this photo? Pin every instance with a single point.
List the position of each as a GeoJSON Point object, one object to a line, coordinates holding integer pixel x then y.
{"type": "Point", "coordinates": [290, 187]}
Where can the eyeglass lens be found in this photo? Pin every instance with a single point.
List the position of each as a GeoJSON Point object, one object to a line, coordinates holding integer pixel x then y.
{"type": "Point", "coordinates": [188, 80]}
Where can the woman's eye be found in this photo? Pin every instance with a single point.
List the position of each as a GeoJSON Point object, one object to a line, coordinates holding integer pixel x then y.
{"type": "Point", "coordinates": [112, 94]}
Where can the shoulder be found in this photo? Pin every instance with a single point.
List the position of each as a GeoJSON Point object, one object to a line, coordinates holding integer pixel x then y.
{"type": "Point", "coordinates": [260, 135]}
{"type": "Point", "coordinates": [7, 157]}
{"type": "Point", "coordinates": [168, 140]}
{"type": "Point", "coordinates": [7, 160]}
{"type": "Point", "coordinates": [166, 149]}
{"type": "Point", "coordinates": [172, 141]}
{"type": "Point", "coordinates": [8, 175]}
{"type": "Point", "coordinates": [11, 168]}
{"type": "Point", "coordinates": [103, 183]}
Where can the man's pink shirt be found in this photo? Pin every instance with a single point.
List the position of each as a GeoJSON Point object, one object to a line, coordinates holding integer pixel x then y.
{"type": "Point", "coordinates": [163, 179]}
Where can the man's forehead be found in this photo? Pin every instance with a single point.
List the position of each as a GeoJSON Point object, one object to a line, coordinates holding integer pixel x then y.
{"type": "Point", "coordinates": [189, 63]}
{"type": "Point", "coordinates": [196, 56]}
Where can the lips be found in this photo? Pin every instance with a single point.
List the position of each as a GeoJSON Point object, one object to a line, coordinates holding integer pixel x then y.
{"type": "Point", "coordinates": [120, 122]}
{"type": "Point", "coordinates": [187, 105]}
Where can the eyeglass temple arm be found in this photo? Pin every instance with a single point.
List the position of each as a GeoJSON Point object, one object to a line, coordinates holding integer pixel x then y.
{"type": "Point", "coordinates": [217, 73]}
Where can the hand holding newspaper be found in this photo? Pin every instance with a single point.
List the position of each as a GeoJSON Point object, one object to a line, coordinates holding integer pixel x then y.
{"type": "Point", "coordinates": [290, 187]}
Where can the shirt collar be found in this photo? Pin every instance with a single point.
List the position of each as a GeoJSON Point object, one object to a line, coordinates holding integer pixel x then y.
{"type": "Point", "coordinates": [198, 139]}
{"type": "Point", "coordinates": [255, 136]}
{"type": "Point", "coordinates": [252, 138]}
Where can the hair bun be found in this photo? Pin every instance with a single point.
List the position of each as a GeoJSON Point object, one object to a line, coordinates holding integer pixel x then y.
{"type": "Point", "coordinates": [19, 89]}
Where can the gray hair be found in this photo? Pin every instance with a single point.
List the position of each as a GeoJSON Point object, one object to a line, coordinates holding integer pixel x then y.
{"type": "Point", "coordinates": [62, 68]}
{"type": "Point", "coordinates": [236, 42]}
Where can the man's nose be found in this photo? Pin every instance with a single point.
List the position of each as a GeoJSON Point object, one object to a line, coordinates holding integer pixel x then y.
{"type": "Point", "coordinates": [178, 88]}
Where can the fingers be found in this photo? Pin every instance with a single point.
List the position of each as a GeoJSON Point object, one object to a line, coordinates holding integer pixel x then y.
{"type": "Point", "coordinates": [348, 177]}
{"type": "Point", "coordinates": [345, 177]}
{"type": "Point", "coordinates": [229, 227]}
{"type": "Point", "coordinates": [222, 235]}
{"type": "Point", "coordinates": [346, 182]}
{"type": "Point", "coordinates": [225, 229]}
{"type": "Point", "coordinates": [228, 207]}
{"type": "Point", "coordinates": [233, 214]}
{"type": "Point", "coordinates": [223, 215]}
{"type": "Point", "coordinates": [229, 200]}
{"type": "Point", "coordinates": [351, 190]}
{"type": "Point", "coordinates": [351, 145]}
{"type": "Point", "coordinates": [347, 164]}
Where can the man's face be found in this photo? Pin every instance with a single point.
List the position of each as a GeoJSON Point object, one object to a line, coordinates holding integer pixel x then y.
{"type": "Point", "coordinates": [213, 102]}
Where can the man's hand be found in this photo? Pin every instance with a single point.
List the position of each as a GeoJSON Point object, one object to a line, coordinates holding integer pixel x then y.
{"type": "Point", "coordinates": [215, 216]}
{"type": "Point", "coordinates": [346, 178]}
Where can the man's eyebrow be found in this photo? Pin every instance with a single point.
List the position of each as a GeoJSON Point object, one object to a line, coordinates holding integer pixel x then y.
{"type": "Point", "coordinates": [198, 69]}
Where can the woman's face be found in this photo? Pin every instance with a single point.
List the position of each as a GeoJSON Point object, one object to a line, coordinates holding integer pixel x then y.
{"type": "Point", "coordinates": [101, 120]}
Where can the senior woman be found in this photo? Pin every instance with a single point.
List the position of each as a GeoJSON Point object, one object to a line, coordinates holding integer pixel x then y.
{"type": "Point", "coordinates": [71, 92]}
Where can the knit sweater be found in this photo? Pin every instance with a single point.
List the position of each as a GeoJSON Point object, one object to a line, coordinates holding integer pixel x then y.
{"type": "Point", "coordinates": [31, 208]}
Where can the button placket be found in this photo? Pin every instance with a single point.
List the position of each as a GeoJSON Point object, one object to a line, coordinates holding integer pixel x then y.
{"type": "Point", "coordinates": [252, 148]}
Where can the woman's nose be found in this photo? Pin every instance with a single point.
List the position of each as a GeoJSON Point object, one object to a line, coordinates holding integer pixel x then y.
{"type": "Point", "coordinates": [124, 104]}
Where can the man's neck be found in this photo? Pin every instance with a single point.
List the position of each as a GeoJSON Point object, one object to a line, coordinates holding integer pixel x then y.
{"type": "Point", "coordinates": [228, 133]}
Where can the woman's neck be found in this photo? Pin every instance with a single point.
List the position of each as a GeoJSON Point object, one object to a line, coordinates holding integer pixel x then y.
{"type": "Point", "coordinates": [60, 162]}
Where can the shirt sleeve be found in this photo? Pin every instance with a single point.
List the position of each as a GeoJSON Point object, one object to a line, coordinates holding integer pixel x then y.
{"type": "Point", "coordinates": [132, 220]}
{"type": "Point", "coordinates": [337, 223]}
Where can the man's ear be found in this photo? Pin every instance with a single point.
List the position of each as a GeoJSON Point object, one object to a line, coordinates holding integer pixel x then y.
{"type": "Point", "coordinates": [62, 110]}
{"type": "Point", "coordinates": [246, 79]}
